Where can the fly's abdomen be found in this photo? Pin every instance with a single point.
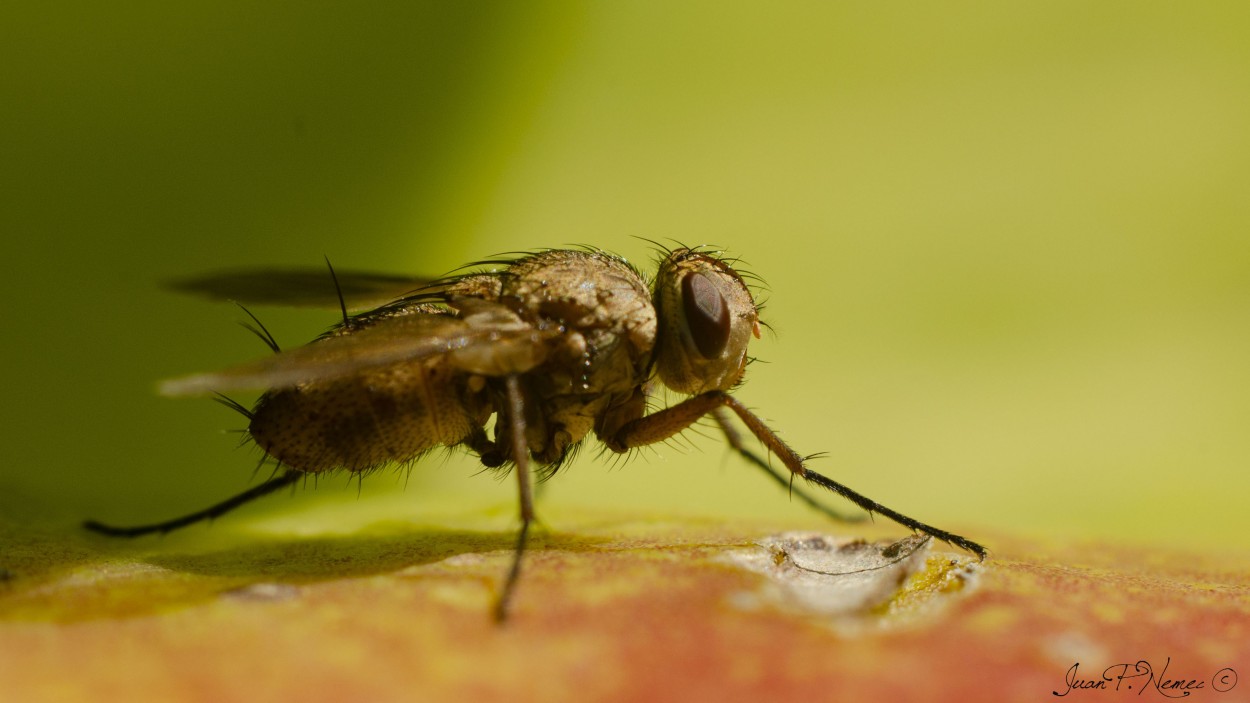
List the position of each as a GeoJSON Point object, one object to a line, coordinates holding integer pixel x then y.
{"type": "Point", "coordinates": [357, 423]}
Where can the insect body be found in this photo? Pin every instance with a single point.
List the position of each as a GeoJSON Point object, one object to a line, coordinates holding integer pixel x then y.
{"type": "Point", "coordinates": [555, 346]}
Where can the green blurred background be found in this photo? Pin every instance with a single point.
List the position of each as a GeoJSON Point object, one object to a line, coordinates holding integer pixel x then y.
{"type": "Point", "coordinates": [1007, 244]}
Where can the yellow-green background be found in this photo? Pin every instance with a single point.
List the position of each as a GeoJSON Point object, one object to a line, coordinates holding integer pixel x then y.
{"type": "Point", "coordinates": [1008, 244]}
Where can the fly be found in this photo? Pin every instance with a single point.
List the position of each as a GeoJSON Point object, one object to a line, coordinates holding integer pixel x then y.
{"type": "Point", "coordinates": [554, 346]}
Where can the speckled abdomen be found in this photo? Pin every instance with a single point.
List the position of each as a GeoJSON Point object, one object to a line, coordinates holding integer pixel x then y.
{"type": "Point", "coordinates": [363, 421]}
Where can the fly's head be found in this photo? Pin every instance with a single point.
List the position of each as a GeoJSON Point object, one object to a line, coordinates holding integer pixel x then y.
{"type": "Point", "coordinates": [706, 319]}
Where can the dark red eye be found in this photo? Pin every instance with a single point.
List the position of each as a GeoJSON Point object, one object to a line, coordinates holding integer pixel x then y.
{"type": "Point", "coordinates": [707, 314]}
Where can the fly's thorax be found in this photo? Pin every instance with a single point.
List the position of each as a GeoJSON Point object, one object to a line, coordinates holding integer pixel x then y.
{"type": "Point", "coordinates": [583, 378]}
{"type": "Point", "coordinates": [602, 307]}
{"type": "Point", "coordinates": [380, 315]}
{"type": "Point", "coordinates": [590, 292]}
{"type": "Point", "coordinates": [706, 320]}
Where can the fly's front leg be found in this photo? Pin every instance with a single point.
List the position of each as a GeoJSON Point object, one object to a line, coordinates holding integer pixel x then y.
{"type": "Point", "coordinates": [668, 422]}
{"type": "Point", "coordinates": [735, 442]}
{"type": "Point", "coordinates": [659, 426]}
{"type": "Point", "coordinates": [795, 463]}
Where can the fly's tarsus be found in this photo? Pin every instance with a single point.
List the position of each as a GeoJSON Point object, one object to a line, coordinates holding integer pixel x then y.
{"type": "Point", "coordinates": [872, 506]}
{"type": "Point", "coordinates": [209, 513]}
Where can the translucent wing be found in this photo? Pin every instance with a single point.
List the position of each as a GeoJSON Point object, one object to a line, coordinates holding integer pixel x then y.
{"type": "Point", "coordinates": [489, 339]}
{"type": "Point", "coordinates": [302, 287]}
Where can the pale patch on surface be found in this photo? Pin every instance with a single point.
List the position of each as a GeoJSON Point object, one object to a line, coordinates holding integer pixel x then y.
{"type": "Point", "coordinates": [263, 592]}
{"type": "Point", "coordinates": [839, 578]}
{"type": "Point", "coordinates": [1065, 648]}
{"type": "Point", "coordinates": [103, 574]}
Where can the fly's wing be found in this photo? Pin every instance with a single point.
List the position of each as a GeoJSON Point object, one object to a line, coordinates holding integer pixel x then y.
{"type": "Point", "coordinates": [489, 339]}
{"type": "Point", "coordinates": [300, 287]}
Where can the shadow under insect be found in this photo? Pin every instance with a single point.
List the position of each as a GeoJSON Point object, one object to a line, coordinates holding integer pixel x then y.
{"type": "Point", "coordinates": [124, 580]}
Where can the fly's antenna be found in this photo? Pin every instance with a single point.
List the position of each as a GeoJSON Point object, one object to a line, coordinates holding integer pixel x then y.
{"type": "Point", "coordinates": [338, 291]}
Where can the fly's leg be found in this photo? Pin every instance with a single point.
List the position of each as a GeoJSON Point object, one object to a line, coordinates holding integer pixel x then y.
{"type": "Point", "coordinates": [659, 426]}
{"type": "Point", "coordinates": [509, 445]}
{"type": "Point", "coordinates": [225, 506]}
{"type": "Point", "coordinates": [795, 463]}
{"type": "Point", "coordinates": [520, 455]}
{"type": "Point", "coordinates": [487, 450]}
{"type": "Point", "coordinates": [735, 442]}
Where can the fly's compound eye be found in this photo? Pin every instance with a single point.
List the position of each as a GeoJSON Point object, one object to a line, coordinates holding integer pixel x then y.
{"type": "Point", "coordinates": [707, 314]}
{"type": "Point", "coordinates": [705, 320]}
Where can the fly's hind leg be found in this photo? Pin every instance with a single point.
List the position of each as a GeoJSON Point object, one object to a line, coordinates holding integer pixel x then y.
{"type": "Point", "coordinates": [666, 423]}
{"type": "Point", "coordinates": [280, 481]}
